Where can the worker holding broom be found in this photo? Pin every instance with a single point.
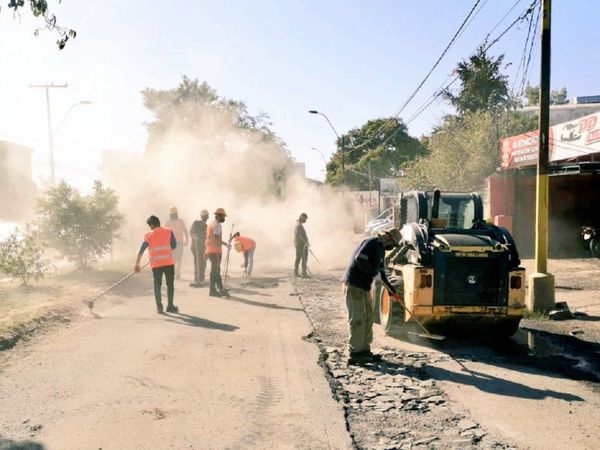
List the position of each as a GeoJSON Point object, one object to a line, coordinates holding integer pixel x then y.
{"type": "Point", "coordinates": [366, 264]}
{"type": "Point", "coordinates": [160, 243]}
{"type": "Point", "coordinates": [214, 252]}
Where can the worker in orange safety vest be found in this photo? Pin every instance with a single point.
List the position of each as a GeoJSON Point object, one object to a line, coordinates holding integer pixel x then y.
{"type": "Point", "coordinates": [178, 227]}
{"type": "Point", "coordinates": [247, 246]}
{"type": "Point", "coordinates": [160, 243]}
{"type": "Point", "coordinates": [214, 250]}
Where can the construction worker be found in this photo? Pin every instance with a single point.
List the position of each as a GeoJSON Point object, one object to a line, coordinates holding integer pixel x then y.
{"type": "Point", "coordinates": [366, 264]}
{"type": "Point", "coordinates": [178, 227]}
{"type": "Point", "coordinates": [160, 243]}
{"type": "Point", "coordinates": [247, 246]}
{"type": "Point", "coordinates": [214, 249]}
{"type": "Point", "coordinates": [301, 244]}
{"type": "Point", "coordinates": [198, 236]}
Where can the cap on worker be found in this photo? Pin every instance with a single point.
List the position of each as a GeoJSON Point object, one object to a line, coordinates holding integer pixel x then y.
{"type": "Point", "coordinates": [394, 235]}
{"type": "Point", "coordinates": [304, 215]}
{"type": "Point", "coordinates": [173, 210]}
{"type": "Point", "coordinates": [220, 212]}
{"type": "Point", "coordinates": [204, 212]}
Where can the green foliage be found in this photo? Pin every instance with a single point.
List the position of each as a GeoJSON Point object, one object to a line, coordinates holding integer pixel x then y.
{"type": "Point", "coordinates": [39, 8]}
{"type": "Point", "coordinates": [81, 228]}
{"type": "Point", "coordinates": [464, 151]}
{"type": "Point", "coordinates": [214, 123]}
{"type": "Point", "coordinates": [21, 256]}
{"type": "Point", "coordinates": [194, 106]}
{"type": "Point", "coordinates": [557, 96]}
{"type": "Point", "coordinates": [388, 147]}
{"type": "Point", "coordinates": [482, 86]}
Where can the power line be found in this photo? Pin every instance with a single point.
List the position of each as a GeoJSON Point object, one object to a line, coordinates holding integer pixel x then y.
{"type": "Point", "coordinates": [418, 88]}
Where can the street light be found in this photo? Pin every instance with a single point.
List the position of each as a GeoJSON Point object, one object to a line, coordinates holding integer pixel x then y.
{"type": "Point", "coordinates": [341, 139]}
{"type": "Point", "coordinates": [51, 135]}
{"type": "Point", "coordinates": [320, 153]}
{"type": "Point", "coordinates": [82, 102]}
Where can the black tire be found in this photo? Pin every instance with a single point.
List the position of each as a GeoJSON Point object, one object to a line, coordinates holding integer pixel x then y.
{"type": "Point", "coordinates": [376, 294]}
{"type": "Point", "coordinates": [595, 247]}
{"type": "Point", "coordinates": [391, 314]}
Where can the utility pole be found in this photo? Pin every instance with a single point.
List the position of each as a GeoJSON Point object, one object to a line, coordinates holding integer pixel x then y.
{"type": "Point", "coordinates": [47, 87]}
{"type": "Point", "coordinates": [540, 295]}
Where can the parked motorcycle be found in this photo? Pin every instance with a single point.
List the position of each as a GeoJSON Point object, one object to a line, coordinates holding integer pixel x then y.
{"type": "Point", "coordinates": [591, 235]}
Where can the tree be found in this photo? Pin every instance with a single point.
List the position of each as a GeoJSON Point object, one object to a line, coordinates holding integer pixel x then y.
{"type": "Point", "coordinates": [81, 228]}
{"type": "Point", "coordinates": [557, 96]}
{"type": "Point", "coordinates": [379, 147]}
{"type": "Point", "coordinates": [39, 8]}
{"type": "Point", "coordinates": [463, 151]}
{"type": "Point", "coordinates": [207, 128]}
{"type": "Point", "coordinates": [21, 256]}
{"type": "Point", "coordinates": [482, 86]}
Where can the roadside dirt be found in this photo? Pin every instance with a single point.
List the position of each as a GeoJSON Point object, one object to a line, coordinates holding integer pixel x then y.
{"type": "Point", "coordinates": [577, 282]}
{"type": "Point", "coordinates": [52, 301]}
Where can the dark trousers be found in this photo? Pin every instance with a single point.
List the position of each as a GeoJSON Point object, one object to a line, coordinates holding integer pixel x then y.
{"type": "Point", "coordinates": [216, 283]}
{"type": "Point", "coordinates": [301, 255]}
{"type": "Point", "coordinates": [199, 262]}
{"type": "Point", "coordinates": [169, 272]}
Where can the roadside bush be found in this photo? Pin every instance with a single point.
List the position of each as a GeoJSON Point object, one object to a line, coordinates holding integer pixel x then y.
{"type": "Point", "coordinates": [81, 227]}
{"type": "Point", "coordinates": [21, 257]}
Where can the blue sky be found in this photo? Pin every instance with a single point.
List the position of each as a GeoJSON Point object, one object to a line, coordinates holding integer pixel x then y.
{"type": "Point", "coordinates": [353, 60]}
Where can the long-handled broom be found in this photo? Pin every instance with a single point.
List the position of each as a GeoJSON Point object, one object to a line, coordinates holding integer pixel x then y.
{"type": "Point", "coordinates": [426, 334]}
{"type": "Point", "coordinates": [90, 303]}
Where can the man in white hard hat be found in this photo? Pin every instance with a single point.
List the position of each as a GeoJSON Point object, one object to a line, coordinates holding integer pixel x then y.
{"type": "Point", "coordinates": [366, 264]}
{"type": "Point", "coordinates": [198, 236]}
{"type": "Point", "coordinates": [178, 227]}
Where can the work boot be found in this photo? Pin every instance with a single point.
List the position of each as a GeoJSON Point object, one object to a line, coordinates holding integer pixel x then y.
{"type": "Point", "coordinates": [296, 274]}
{"type": "Point", "coordinates": [159, 309]}
{"type": "Point", "coordinates": [305, 275]}
{"type": "Point", "coordinates": [172, 309]}
{"type": "Point", "coordinates": [214, 293]}
{"type": "Point", "coordinates": [224, 292]}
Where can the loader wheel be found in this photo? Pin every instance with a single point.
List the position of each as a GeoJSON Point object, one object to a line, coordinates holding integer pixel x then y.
{"type": "Point", "coordinates": [376, 290]}
{"type": "Point", "coordinates": [391, 314]}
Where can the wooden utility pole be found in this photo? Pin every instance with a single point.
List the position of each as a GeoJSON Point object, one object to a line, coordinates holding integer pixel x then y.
{"type": "Point", "coordinates": [540, 296]}
{"type": "Point", "coordinates": [47, 87]}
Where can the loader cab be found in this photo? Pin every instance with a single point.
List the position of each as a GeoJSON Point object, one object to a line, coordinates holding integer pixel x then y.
{"type": "Point", "coordinates": [448, 210]}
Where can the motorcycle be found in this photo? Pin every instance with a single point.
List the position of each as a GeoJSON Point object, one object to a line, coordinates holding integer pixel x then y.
{"type": "Point", "coordinates": [591, 235]}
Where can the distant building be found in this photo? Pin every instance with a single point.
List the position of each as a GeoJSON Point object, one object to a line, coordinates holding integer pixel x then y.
{"type": "Point", "coordinates": [17, 189]}
{"type": "Point", "coordinates": [576, 108]}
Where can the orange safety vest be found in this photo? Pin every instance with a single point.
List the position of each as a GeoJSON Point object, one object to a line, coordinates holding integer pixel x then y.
{"type": "Point", "coordinates": [159, 247]}
{"type": "Point", "coordinates": [211, 244]}
{"type": "Point", "coordinates": [243, 244]}
{"type": "Point", "coordinates": [178, 226]}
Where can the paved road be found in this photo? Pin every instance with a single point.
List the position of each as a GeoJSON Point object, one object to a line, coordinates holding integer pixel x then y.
{"type": "Point", "coordinates": [229, 373]}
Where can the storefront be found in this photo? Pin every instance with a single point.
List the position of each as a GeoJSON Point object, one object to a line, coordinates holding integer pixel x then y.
{"type": "Point", "coordinates": [574, 186]}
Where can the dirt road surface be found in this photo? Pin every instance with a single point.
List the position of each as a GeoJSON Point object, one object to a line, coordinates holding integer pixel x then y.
{"type": "Point", "coordinates": [224, 373]}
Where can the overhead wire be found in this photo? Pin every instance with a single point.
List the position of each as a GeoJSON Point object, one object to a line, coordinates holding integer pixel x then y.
{"type": "Point", "coordinates": [423, 81]}
{"type": "Point", "coordinates": [526, 14]}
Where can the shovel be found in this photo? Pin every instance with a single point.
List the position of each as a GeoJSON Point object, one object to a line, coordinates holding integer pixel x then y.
{"type": "Point", "coordinates": [426, 334]}
{"type": "Point", "coordinates": [90, 303]}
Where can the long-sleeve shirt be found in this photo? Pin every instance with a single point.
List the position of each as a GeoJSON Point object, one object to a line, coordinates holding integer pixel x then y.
{"type": "Point", "coordinates": [300, 237]}
{"type": "Point", "coordinates": [366, 263]}
{"type": "Point", "coordinates": [144, 245]}
{"type": "Point", "coordinates": [198, 231]}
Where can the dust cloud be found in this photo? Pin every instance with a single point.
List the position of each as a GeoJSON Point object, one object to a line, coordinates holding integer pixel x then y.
{"type": "Point", "coordinates": [222, 165]}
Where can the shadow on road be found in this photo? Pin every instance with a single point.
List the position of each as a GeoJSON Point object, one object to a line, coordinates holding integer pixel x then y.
{"type": "Point", "coordinates": [194, 321]}
{"type": "Point", "coordinates": [260, 304]}
{"type": "Point", "coordinates": [7, 444]}
{"type": "Point", "coordinates": [498, 386]}
{"type": "Point", "coordinates": [251, 292]}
